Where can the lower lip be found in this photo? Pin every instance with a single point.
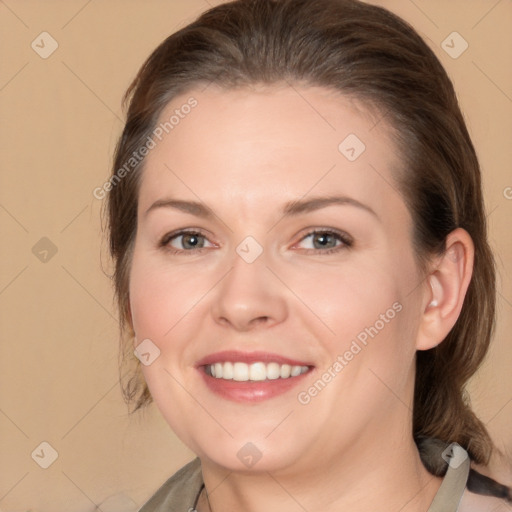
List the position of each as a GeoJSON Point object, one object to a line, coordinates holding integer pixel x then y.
{"type": "Point", "coordinates": [251, 391]}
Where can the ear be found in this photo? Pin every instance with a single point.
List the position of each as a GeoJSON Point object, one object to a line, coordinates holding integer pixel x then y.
{"type": "Point", "coordinates": [445, 289]}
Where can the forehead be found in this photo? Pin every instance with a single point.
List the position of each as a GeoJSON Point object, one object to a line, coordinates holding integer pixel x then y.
{"type": "Point", "coordinates": [254, 145]}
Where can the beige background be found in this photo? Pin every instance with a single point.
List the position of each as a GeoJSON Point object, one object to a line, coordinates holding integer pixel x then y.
{"type": "Point", "coordinates": [60, 118]}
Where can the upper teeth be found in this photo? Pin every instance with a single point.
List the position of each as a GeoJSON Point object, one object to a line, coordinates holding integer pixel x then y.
{"type": "Point", "coordinates": [255, 371]}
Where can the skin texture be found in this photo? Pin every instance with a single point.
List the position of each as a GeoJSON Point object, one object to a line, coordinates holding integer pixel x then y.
{"type": "Point", "coordinates": [245, 153]}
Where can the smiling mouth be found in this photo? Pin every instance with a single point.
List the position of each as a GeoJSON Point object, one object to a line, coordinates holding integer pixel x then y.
{"type": "Point", "coordinates": [252, 377]}
{"type": "Point", "coordinates": [255, 372]}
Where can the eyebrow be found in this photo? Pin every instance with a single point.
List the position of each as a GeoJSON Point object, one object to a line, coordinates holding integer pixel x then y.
{"type": "Point", "coordinates": [291, 208]}
{"type": "Point", "coordinates": [315, 203]}
{"type": "Point", "coordinates": [192, 207]}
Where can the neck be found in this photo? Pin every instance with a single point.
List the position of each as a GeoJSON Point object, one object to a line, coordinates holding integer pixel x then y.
{"type": "Point", "coordinates": [374, 473]}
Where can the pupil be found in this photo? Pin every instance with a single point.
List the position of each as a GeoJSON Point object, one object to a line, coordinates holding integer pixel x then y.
{"type": "Point", "coordinates": [191, 241]}
{"type": "Point", "coordinates": [323, 240]}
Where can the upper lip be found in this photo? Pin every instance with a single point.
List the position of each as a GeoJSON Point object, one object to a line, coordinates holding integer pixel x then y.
{"type": "Point", "coordinates": [249, 357]}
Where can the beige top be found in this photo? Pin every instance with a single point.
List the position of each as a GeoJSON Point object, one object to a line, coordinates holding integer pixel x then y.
{"type": "Point", "coordinates": [181, 491]}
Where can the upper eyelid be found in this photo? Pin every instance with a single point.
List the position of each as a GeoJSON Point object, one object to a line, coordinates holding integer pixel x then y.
{"type": "Point", "coordinates": [339, 232]}
{"type": "Point", "coordinates": [166, 239]}
{"type": "Point", "coordinates": [345, 239]}
{"type": "Point", "coordinates": [189, 231]}
{"type": "Point", "coordinates": [310, 231]}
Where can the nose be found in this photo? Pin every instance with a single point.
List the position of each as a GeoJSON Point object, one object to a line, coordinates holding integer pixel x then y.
{"type": "Point", "coordinates": [249, 297]}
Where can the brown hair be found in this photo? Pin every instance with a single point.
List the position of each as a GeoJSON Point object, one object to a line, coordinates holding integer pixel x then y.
{"type": "Point", "coordinates": [370, 54]}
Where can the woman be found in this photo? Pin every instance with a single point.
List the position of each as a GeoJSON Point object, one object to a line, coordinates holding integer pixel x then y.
{"type": "Point", "coordinates": [302, 268]}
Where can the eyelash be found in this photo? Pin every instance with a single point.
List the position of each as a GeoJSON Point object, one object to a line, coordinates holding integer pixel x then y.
{"type": "Point", "coordinates": [346, 240]}
{"type": "Point", "coordinates": [164, 243]}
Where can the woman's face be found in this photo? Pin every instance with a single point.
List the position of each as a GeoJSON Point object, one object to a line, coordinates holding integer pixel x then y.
{"type": "Point", "coordinates": [251, 175]}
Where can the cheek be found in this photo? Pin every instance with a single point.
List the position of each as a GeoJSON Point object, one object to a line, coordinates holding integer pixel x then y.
{"type": "Point", "coordinates": [151, 302]}
{"type": "Point", "coordinates": [161, 295]}
{"type": "Point", "coordinates": [371, 349]}
{"type": "Point", "coordinates": [349, 298]}
{"type": "Point", "coordinates": [371, 318]}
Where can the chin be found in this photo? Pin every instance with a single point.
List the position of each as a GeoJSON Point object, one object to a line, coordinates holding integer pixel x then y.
{"type": "Point", "coordinates": [250, 457]}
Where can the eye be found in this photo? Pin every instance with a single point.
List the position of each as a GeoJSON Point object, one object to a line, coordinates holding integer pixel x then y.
{"type": "Point", "coordinates": [326, 241]}
{"type": "Point", "coordinates": [185, 241]}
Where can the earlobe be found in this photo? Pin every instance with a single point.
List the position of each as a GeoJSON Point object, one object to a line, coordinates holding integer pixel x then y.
{"type": "Point", "coordinates": [445, 289]}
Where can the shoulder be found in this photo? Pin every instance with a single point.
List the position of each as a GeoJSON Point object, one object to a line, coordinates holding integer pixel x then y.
{"type": "Point", "coordinates": [476, 503]}
{"type": "Point", "coordinates": [501, 476]}
{"type": "Point", "coordinates": [179, 492]}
